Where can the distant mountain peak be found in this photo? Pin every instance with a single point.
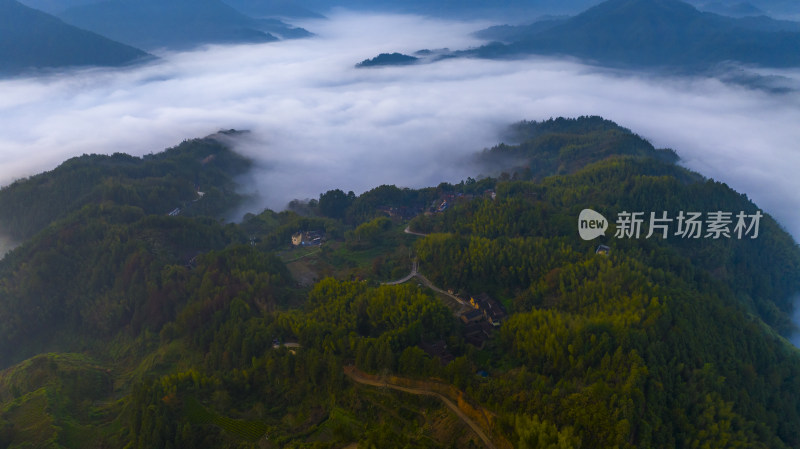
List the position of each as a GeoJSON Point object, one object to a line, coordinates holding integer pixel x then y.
{"type": "Point", "coordinates": [667, 34]}
{"type": "Point", "coordinates": [31, 39]}
{"type": "Point", "coordinates": [175, 24]}
{"type": "Point", "coordinates": [385, 59]}
{"type": "Point", "coordinates": [661, 13]}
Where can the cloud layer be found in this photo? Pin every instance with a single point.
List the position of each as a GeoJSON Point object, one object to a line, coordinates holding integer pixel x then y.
{"type": "Point", "coordinates": [318, 123]}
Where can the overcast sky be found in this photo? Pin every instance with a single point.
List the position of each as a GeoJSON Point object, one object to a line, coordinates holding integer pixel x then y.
{"type": "Point", "coordinates": [318, 123]}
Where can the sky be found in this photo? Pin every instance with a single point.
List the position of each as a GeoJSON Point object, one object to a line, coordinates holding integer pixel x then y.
{"type": "Point", "coordinates": [318, 123]}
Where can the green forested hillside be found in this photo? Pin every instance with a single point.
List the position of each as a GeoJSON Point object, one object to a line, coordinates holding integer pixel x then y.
{"type": "Point", "coordinates": [493, 240]}
{"type": "Point", "coordinates": [156, 183]}
{"type": "Point", "coordinates": [127, 328]}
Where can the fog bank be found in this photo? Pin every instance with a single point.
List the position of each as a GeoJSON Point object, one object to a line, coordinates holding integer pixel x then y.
{"type": "Point", "coordinates": [318, 123]}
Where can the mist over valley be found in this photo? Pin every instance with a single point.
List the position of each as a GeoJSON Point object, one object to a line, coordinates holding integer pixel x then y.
{"type": "Point", "coordinates": [318, 123]}
{"type": "Point", "coordinates": [294, 224]}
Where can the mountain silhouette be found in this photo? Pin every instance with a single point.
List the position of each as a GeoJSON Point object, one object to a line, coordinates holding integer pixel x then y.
{"type": "Point", "coordinates": [172, 24]}
{"type": "Point", "coordinates": [655, 33]}
{"type": "Point", "coordinates": [31, 39]}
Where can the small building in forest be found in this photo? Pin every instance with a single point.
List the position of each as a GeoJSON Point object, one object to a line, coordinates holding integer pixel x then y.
{"type": "Point", "coordinates": [307, 238]}
{"type": "Point", "coordinates": [602, 249]}
{"type": "Point", "coordinates": [489, 307]}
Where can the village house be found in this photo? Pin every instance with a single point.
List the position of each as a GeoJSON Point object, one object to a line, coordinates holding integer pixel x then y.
{"type": "Point", "coordinates": [307, 238]}
{"type": "Point", "coordinates": [492, 310]}
{"type": "Point", "coordinates": [482, 320]}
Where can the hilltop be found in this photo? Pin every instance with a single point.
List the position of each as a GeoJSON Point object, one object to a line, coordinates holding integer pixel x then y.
{"type": "Point", "coordinates": [157, 184]}
{"type": "Point", "coordinates": [32, 40]}
{"type": "Point", "coordinates": [664, 34]}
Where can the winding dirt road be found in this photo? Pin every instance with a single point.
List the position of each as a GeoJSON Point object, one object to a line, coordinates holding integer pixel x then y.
{"type": "Point", "coordinates": [354, 375]}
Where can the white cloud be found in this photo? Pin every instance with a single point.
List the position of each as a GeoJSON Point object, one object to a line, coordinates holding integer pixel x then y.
{"type": "Point", "coordinates": [318, 123]}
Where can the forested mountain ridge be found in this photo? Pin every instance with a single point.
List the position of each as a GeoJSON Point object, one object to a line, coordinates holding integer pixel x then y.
{"type": "Point", "coordinates": [562, 146]}
{"type": "Point", "coordinates": [193, 333]}
{"type": "Point", "coordinates": [157, 183]}
{"type": "Point", "coordinates": [611, 166]}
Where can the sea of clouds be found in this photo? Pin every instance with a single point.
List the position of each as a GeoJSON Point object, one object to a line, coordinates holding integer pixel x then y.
{"type": "Point", "coordinates": [318, 123]}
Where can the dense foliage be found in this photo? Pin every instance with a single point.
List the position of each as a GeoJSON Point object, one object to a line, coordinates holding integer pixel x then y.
{"type": "Point", "coordinates": [124, 328]}
{"type": "Point", "coordinates": [157, 183]}
{"type": "Point", "coordinates": [493, 243]}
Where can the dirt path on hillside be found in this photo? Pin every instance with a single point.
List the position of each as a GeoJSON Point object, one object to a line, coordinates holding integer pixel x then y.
{"type": "Point", "coordinates": [353, 374]}
{"type": "Point", "coordinates": [408, 230]}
